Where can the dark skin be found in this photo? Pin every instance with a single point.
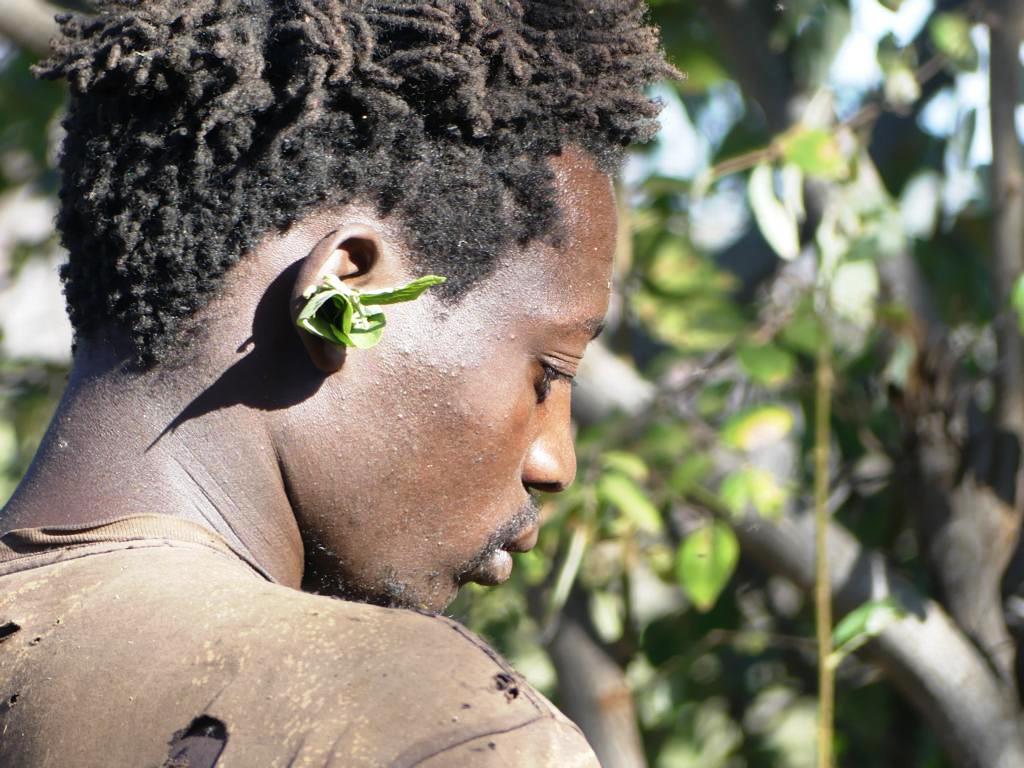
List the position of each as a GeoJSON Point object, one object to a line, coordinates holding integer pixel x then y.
{"type": "Point", "coordinates": [392, 475]}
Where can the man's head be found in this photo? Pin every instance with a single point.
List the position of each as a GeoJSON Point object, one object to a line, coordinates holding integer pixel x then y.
{"type": "Point", "coordinates": [222, 155]}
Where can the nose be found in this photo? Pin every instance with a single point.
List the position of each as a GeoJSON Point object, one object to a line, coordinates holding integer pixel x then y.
{"type": "Point", "coordinates": [551, 459]}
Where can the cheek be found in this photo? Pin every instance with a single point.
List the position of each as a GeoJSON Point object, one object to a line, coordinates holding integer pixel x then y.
{"type": "Point", "coordinates": [410, 458]}
{"type": "Point", "coordinates": [422, 449]}
{"type": "Point", "coordinates": [467, 383]}
{"type": "Point", "coordinates": [471, 418]}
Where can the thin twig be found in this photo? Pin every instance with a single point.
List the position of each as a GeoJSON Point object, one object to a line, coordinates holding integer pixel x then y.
{"type": "Point", "coordinates": [865, 116]}
{"type": "Point", "coordinates": [823, 583]}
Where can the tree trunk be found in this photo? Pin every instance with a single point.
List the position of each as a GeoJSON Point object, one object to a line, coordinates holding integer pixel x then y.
{"type": "Point", "coordinates": [593, 692]}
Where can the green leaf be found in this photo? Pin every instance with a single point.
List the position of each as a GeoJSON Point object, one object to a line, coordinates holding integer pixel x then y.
{"type": "Point", "coordinates": [570, 568]}
{"type": "Point", "coordinates": [951, 35]}
{"type": "Point", "coordinates": [869, 620]}
{"type": "Point", "coordinates": [803, 331]}
{"type": "Point", "coordinates": [606, 613]}
{"type": "Point", "coordinates": [1017, 300]}
{"type": "Point", "coordinates": [408, 292]}
{"type": "Point", "coordinates": [701, 323]}
{"type": "Point", "coordinates": [901, 363]}
{"type": "Point", "coordinates": [625, 495]}
{"type": "Point", "coordinates": [705, 561]}
{"type": "Point", "coordinates": [700, 67]}
{"type": "Point", "coordinates": [317, 297]}
{"type": "Point", "coordinates": [675, 268]}
{"type": "Point", "coordinates": [628, 464]}
{"type": "Point", "coordinates": [753, 487]}
{"type": "Point", "coordinates": [901, 86]}
{"type": "Point", "coordinates": [766, 364]}
{"type": "Point", "coordinates": [665, 442]}
{"type": "Point", "coordinates": [367, 327]}
{"type": "Point", "coordinates": [814, 151]}
{"type": "Point", "coordinates": [328, 311]}
{"type": "Point", "coordinates": [776, 223]}
{"type": "Point", "coordinates": [340, 314]}
{"type": "Point", "coordinates": [862, 624]}
{"type": "Point", "coordinates": [854, 292]}
{"type": "Point", "coordinates": [757, 427]}
{"type": "Point", "coordinates": [793, 191]}
{"type": "Point", "coordinates": [690, 473]}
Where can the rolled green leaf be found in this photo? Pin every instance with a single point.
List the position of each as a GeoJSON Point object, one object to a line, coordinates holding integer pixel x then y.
{"type": "Point", "coordinates": [341, 315]}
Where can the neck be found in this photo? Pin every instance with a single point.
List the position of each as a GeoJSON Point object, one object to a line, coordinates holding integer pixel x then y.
{"type": "Point", "coordinates": [111, 451]}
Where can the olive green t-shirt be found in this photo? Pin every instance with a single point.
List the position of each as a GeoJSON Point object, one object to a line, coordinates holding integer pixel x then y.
{"type": "Point", "coordinates": [147, 641]}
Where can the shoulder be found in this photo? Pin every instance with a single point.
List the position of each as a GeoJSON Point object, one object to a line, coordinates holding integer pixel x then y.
{"type": "Point", "coordinates": [407, 688]}
{"type": "Point", "coordinates": [191, 637]}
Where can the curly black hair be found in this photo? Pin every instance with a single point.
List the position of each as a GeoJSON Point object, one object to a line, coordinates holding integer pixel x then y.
{"type": "Point", "coordinates": [195, 127]}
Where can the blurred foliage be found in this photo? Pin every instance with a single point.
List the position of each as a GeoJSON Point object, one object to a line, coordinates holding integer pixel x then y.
{"type": "Point", "coordinates": [730, 261]}
{"type": "Point", "coordinates": [27, 109]}
{"type": "Point", "coordinates": [721, 658]}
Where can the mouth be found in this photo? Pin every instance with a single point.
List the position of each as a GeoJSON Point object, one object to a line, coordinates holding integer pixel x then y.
{"type": "Point", "coordinates": [526, 541]}
{"type": "Point", "coordinates": [495, 566]}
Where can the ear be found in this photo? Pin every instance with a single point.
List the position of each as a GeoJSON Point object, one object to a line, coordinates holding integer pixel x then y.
{"type": "Point", "coordinates": [352, 254]}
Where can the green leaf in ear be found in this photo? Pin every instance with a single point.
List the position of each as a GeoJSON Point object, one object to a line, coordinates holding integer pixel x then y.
{"type": "Point", "coordinates": [346, 317]}
{"type": "Point", "coordinates": [408, 292]}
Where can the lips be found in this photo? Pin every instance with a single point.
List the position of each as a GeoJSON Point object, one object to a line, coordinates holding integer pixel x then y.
{"type": "Point", "coordinates": [525, 541]}
{"type": "Point", "coordinates": [496, 568]}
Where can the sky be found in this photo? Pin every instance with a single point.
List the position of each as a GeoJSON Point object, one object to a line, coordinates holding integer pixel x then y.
{"type": "Point", "coordinates": [688, 141]}
{"type": "Point", "coordinates": [854, 73]}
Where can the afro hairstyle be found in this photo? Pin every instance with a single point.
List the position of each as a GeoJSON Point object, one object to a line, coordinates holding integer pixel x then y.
{"type": "Point", "coordinates": [196, 127]}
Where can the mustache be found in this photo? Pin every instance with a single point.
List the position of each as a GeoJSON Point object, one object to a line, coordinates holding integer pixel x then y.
{"type": "Point", "coordinates": [524, 518]}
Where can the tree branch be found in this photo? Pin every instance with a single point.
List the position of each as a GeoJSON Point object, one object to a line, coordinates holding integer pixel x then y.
{"type": "Point", "coordinates": [758, 70]}
{"type": "Point", "coordinates": [593, 692]}
{"type": "Point", "coordinates": [969, 463]}
{"type": "Point", "coordinates": [1007, 241]}
{"type": "Point", "coordinates": [29, 24]}
{"type": "Point", "coordinates": [607, 384]}
{"type": "Point", "coordinates": [966, 465]}
{"type": "Point", "coordinates": [968, 531]}
{"type": "Point", "coordinates": [925, 655]}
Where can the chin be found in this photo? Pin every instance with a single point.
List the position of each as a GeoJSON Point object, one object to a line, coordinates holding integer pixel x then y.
{"type": "Point", "coordinates": [391, 593]}
{"type": "Point", "coordinates": [434, 599]}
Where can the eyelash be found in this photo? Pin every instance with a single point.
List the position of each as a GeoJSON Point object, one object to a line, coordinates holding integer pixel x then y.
{"type": "Point", "coordinates": [549, 375]}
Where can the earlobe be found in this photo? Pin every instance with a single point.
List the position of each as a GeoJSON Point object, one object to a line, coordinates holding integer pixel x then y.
{"type": "Point", "coordinates": [350, 254]}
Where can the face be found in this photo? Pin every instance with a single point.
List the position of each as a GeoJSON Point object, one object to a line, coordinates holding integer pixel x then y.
{"type": "Point", "coordinates": [412, 468]}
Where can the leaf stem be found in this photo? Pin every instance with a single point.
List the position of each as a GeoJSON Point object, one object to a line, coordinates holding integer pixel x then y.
{"type": "Point", "coordinates": [744, 162]}
{"type": "Point", "coordinates": [578, 542]}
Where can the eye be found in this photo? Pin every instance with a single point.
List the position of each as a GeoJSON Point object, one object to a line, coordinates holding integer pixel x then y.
{"type": "Point", "coordinates": [549, 375]}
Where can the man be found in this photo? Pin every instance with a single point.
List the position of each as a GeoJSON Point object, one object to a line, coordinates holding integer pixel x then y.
{"type": "Point", "coordinates": [210, 458]}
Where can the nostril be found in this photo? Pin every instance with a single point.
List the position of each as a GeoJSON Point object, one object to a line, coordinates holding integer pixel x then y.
{"type": "Point", "coordinates": [554, 486]}
{"type": "Point", "coordinates": [550, 466]}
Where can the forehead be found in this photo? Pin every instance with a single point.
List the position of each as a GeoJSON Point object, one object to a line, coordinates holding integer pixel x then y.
{"type": "Point", "coordinates": [586, 202]}
{"type": "Point", "coordinates": [569, 279]}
